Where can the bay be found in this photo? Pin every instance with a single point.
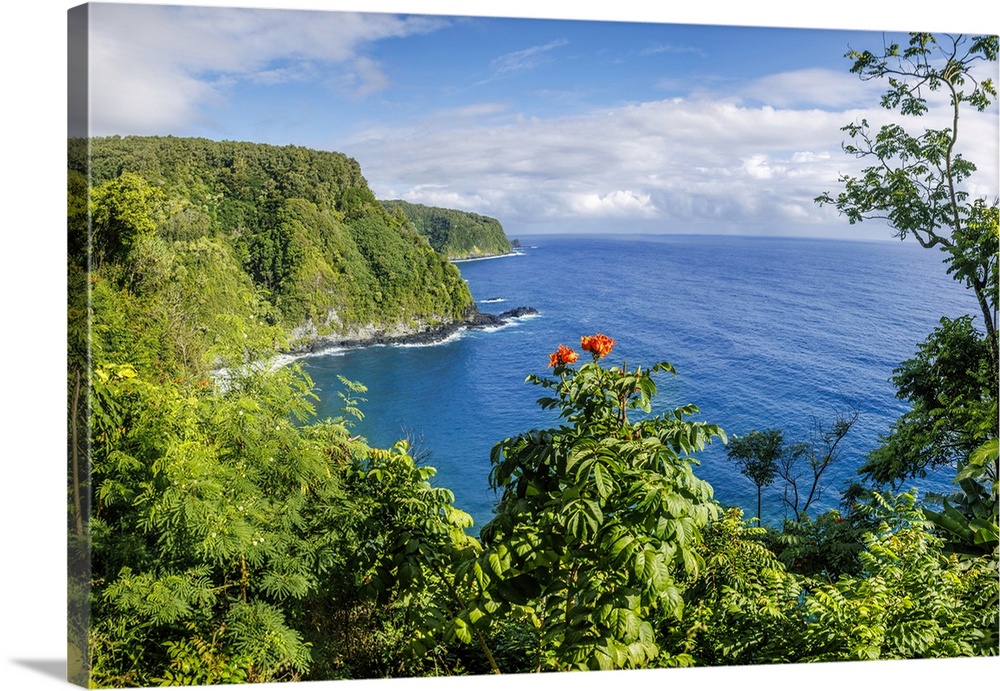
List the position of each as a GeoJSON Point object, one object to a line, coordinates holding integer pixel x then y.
{"type": "Point", "coordinates": [763, 332]}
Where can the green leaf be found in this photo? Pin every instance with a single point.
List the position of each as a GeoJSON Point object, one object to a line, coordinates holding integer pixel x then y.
{"type": "Point", "coordinates": [462, 631]}
{"type": "Point", "coordinates": [604, 483]}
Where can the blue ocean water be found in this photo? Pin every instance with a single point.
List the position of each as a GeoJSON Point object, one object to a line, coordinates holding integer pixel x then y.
{"type": "Point", "coordinates": [763, 332]}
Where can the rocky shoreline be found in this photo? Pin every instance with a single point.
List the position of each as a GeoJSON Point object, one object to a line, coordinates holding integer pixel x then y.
{"type": "Point", "coordinates": [421, 335]}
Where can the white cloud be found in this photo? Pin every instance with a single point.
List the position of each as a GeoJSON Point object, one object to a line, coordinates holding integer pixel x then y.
{"type": "Point", "coordinates": [362, 77]}
{"type": "Point", "coordinates": [527, 59]}
{"type": "Point", "coordinates": [679, 161]}
{"type": "Point", "coordinates": [810, 156]}
{"type": "Point", "coordinates": [812, 87]}
{"type": "Point", "coordinates": [478, 110]}
{"type": "Point", "coordinates": [757, 166]}
{"type": "Point", "coordinates": [752, 156]}
{"type": "Point", "coordinates": [154, 68]}
{"type": "Point", "coordinates": [140, 96]}
{"type": "Point", "coordinates": [430, 195]}
{"type": "Point", "coordinates": [619, 203]}
{"type": "Point", "coordinates": [299, 72]}
{"type": "Point", "coordinates": [671, 49]}
{"type": "Point", "coordinates": [695, 165]}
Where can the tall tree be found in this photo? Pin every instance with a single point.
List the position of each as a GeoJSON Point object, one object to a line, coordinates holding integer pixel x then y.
{"type": "Point", "coordinates": [919, 184]}
{"type": "Point", "coordinates": [916, 181]}
{"type": "Point", "coordinates": [951, 389]}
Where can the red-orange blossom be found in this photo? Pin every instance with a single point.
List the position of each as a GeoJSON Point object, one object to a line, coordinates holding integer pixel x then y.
{"type": "Point", "coordinates": [562, 356]}
{"type": "Point", "coordinates": [598, 344]}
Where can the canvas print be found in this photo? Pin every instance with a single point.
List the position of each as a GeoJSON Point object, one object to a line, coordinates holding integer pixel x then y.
{"type": "Point", "coordinates": [419, 345]}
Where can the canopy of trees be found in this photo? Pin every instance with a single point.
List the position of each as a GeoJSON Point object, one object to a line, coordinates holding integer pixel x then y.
{"type": "Point", "coordinates": [455, 234]}
{"type": "Point", "coordinates": [300, 226]}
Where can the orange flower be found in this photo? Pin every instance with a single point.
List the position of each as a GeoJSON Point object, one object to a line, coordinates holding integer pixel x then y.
{"type": "Point", "coordinates": [598, 344]}
{"type": "Point", "coordinates": [562, 356]}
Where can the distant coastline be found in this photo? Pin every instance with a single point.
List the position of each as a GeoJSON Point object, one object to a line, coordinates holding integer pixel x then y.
{"type": "Point", "coordinates": [484, 257]}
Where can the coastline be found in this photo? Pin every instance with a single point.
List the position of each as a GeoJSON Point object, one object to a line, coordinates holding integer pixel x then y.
{"type": "Point", "coordinates": [462, 260]}
{"type": "Point", "coordinates": [372, 335]}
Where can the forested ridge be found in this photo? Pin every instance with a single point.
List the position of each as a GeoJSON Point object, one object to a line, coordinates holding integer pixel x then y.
{"type": "Point", "coordinates": [220, 532]}
{"type": "Point", "coordinates": [300, 227]}
{"type": "Point", "coordinates": [456, 234]}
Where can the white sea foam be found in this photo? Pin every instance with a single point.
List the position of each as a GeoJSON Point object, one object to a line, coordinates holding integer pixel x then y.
{"type": "Point", "coordinates": [482, 259]}
{"type": "Point", "coordinates": [510, 322]}
{"type": "Point", "coordinates": [332, 350]}
{"type": "Point", "coordinates": [499, 327]}
{"type": "Point", "coordinates": [450, 338]}
{"type": "Point", "coordinates": [223, 375]}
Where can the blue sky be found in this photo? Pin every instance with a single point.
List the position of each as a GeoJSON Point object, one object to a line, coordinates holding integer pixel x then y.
{"type": "Point", "coordinates": [550, 125]}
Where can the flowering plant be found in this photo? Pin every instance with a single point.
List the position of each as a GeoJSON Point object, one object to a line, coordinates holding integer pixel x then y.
{"type": "Point", "coordinates": [592, 509]}
{"type": "Point", "coordinates": [562, 356]}
{"type": "Point", "coordinates": [598, 344]}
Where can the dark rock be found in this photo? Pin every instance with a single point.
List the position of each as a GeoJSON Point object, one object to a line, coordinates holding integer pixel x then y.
{"type": "Point", "coordinates": [472, 319]}
{"type": "Point", "coordinates": [482, 320]}
{"type": "Point", "coordinates": [518, 312]}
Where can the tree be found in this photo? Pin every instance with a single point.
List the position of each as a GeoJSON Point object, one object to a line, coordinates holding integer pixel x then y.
{"type": "Point", "coordinates": [740, 602]}
{"type": "Point", "coordinates": [763, 455]}
{"type": "Point", "coordinates": [910, 601]}
{"type": "Point", "coordinates": [919, 184]}
{"type": "Point", "coordinates": [916, 182]}
{"type": "Point", "coordinates": [122, 213]}
{"type": "Point", "coordinates": [756, 455]}
{"type": "Point", "coordinates": [950, 385]}
{"type": "Point", "coordinates": [599, 520]}
{"type": "Point", "coordinates": [822, 450]}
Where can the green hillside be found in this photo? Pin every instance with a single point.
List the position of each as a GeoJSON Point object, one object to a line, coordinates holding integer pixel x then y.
{"type": "Point", "coordinates": [296, 232]}
{"type": "Point", "coordinates": [455, 234]}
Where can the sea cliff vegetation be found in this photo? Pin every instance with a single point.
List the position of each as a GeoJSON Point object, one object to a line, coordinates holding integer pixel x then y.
{"type": "Point", "coordinates": [455, 234]}
{"type": "Point", "coordinates": [298, 228]}
{"type": "Point", "coordinates": [221, 533]}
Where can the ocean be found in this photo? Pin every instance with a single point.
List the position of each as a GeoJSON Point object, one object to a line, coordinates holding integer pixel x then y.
{"type": "Point", "coordinates": [763, 333]}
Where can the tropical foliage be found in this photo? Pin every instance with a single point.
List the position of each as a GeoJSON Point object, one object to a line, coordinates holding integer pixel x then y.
{"type": "Point", "coordinates": [599, 520]}
{"type": "Point", "coordinates": [220, 533]}
{"type": "Point", "coordinates": [302, 227]}
{"type": "Point", "coordinates": [455, 234]}
{"type": "Point", "coordinates": [918, 183]}
{"type": "Point", "coordinates": [216, 527]}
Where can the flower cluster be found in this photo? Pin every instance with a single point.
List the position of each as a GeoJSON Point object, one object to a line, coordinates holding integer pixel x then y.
{"type": "Point", "coordinates": [562, 356]}
{"type": "Point", "coordinates": [598, 344]}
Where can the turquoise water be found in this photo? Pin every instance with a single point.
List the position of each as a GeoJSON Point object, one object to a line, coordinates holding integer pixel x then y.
{"type": "Point", "coordinates": [763, 333]}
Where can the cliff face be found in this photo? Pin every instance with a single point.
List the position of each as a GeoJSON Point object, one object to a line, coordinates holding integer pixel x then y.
{"type": "Point", "coordinates": [307, 339]}
{"type": "Point", "coordinates": [455, 234]}
{"type": "Point", "coordinates": [302, 229]}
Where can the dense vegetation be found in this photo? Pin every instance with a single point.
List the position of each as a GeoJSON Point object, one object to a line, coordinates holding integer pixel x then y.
{"type": "Point", "coordinates": [298, 227]}
{"type": "Point", "coordinates": [455, 234]}
{"type": "Point", "coordinates": [220, 533]}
